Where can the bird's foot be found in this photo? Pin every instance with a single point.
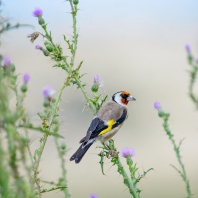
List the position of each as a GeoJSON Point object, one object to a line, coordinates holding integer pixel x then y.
{"type": "Point", "coordinates": [111, 153]}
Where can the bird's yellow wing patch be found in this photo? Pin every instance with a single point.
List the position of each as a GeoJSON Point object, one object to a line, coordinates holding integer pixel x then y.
{"type": "Point", "coordinates": [110, 124]}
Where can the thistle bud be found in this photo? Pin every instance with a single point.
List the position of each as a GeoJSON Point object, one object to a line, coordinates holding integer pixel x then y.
{"type": "Point", "coordinates": [45, 52]}
{"type": "Point", "coordinates": [46, 42]}
{"type": "Point", "coordinates": [6, 61]}
{"type": "Point", "coordinates": [37, 12]}
{"type": "Point", "coordinates": [41, 21]}
{"type": "Point", "coordinates": [12, 67]}
{"type": "Point", "coordinates": [63, 146]}
{"type": "Point", "coordinates": [75, 2]}
{"type": "Point", "coordinates": [49, 46]}
{"type": "Point", "coordinates": [24, 88]}
{"type": "Point", "coordinates": [48, 92]}
{"type": "Point", "coordinates": [188, 48]}
{"type": "Point", "coordinates": [38, 47]}
{"type": "Point", "coordinates": [128, 152]}
{"type": "Point", "coordinates": [26, 78]}
{"type": "Point", "coordinates": [46, 102]}
{"type": "Point", "coordinates": [93, 196]}
{"type": "Point", "coordinates": [161, 113]}
{"type": "Point", "coordinates": [95, 87]}
{"type": "Point", "coordinates": [96, 84]}
{"type": "Point", "coordinates": [157, 105]}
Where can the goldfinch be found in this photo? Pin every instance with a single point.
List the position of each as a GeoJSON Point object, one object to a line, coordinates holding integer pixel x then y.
{"type": "Point", "coordinates": [106, 123]}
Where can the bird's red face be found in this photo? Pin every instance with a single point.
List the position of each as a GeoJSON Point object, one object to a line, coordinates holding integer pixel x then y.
{"type": "Point", "coordinates": [123, 97]}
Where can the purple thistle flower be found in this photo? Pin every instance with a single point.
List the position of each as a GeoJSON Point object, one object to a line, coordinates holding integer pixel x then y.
{"type": "Point", "coordinates": [26, 78]}
{"type": "Point", "coordinates": [48, 92]}
{"type": "Point", "coordinates": [196, 60]}
{"type": "Point", "coordinates": [37, 12]}
{"type": "Point", "coordinates": [157, 105]}
{"type": "Point", "coordinates": [96, 79]}
{"type": "Point", "coordinates": [128, 152]}
{"type": "Point", "coordinates": [93, 196]}
{"type": "Point", "coordinates": [6, 61]}
{"type": "Point", "coordinates": [187, 48]}
{"type": "Point", "coordinates": [38, 47]}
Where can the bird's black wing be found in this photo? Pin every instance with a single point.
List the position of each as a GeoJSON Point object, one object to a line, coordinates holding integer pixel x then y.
{"type": "Point", "coordinates": [96, 123]}
{"type": "Point", "coordinates": [102, 126]}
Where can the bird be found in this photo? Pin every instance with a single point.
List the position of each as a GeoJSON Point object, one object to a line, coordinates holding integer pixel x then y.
{"type": "Point", "coordinates": [106, 123]}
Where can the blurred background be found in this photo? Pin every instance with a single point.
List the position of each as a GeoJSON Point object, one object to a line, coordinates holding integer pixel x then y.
{"type": "Point", "coordinates": [137, 46]}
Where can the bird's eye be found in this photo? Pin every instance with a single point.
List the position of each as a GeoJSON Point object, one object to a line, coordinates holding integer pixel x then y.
{"type": "Point", "coordinates": [124, 95]}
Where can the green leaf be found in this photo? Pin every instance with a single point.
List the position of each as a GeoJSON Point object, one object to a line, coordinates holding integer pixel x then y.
{"type": "Point", "coordinates": [52, 189]}
{"type": "Point", "coordinates": [102, 155]}
{"type": "Point", "coordinates": [41, 130]}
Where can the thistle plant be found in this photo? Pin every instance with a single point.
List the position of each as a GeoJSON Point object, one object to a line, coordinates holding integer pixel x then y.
{"type": "Point", "coordinates": [14, 184]}
{"type": "Point", "coordinates": [134, 178]}
{"type": "Point", "coordinates": [93, 196]}
{"type": "Point", "coordinates": [49, 118]}
{"type": "Point", "coordinates": [73, 77]}
{"type": "Point", "coordinates": [15, 124]}
{"type": "Point", "coordinates": [182, 171]}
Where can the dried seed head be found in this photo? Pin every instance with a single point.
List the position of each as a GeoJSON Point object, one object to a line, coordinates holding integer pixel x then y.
{"type": "Point", "coordinates": [33, 36]}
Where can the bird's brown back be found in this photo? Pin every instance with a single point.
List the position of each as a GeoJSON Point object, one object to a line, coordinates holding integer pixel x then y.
{"type": "Point", "coordinates": [111, 110]}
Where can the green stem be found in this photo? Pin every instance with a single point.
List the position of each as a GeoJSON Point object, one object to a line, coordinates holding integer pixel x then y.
{"type": "Point", "coordinates": [28, 147]}
{"type": "Point", "coordinates": [193, 75]}
{"type": "Point", "coordinates": [44, 139]}
{"type": "Point", "coordinates": [75, 35]}
{"type": "Point", "coordinates": [177, 151]}
{"type": "Point", "coordinates": [192, 83]}
{"type": "Point", "coordinates": [68, 65]}
{"type": "Point", "coordinates": [64, 172]}
{"type": "Point", "coordinates": [4, 179]}
{"type": "Point", "coordinates": [3, 29]}
{"type": "Point", "coordinates": [12, 146]}
{"type": "Point", "coordinates": [127, 180]}
{"type": "Point", "coordinates": [49, 38]}
{"type": "Point", "coordinates": [20, 110]}
{"type": "Point", "coordinates": [75, 40]}
{"type": "Point", "coordinates": [90, 104]}
{"type": "Point", "coordinates": [48, 182]}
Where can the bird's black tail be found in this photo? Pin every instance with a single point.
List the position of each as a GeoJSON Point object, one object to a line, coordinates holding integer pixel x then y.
{"type": "Point", "coordinates": [78, 155]}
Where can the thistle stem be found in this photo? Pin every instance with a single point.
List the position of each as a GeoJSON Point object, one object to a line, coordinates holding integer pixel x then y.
{"type": "Point", "coordinates": [192, 84]}
{"type": "Point", "coordinates": [90, 104]}
{"type": "Point", "coordinates": [127, 180]}
{"type": "Point", "coordinates": [75, 35]}
{"type": "Point", "coordinates": [64, 172]}
{"type": "Point", "coordinates": [44, 140]}
{"type": "Point", "coordinates": [177, 151]}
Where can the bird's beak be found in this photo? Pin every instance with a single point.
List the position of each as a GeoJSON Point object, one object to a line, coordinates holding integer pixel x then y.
{"type": "Point", "coordinates": [131, 98]}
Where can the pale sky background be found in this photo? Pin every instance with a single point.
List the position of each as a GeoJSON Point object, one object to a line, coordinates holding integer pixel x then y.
{"type": "Point", "coordinates": [138, 46]}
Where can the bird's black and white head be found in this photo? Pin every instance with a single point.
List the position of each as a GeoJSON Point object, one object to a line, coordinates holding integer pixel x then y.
{"type": "Point", "coordinates": [123, 97]}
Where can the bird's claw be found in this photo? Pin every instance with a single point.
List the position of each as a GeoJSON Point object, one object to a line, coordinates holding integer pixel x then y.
{"type": "Point", "coordinates": [111, 153]}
